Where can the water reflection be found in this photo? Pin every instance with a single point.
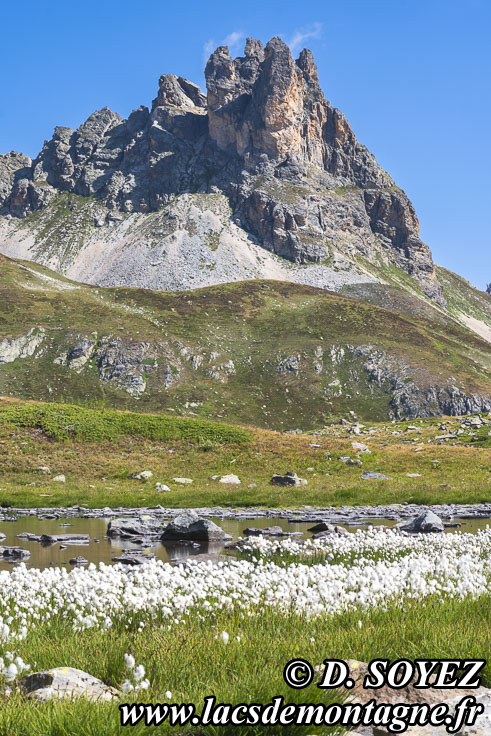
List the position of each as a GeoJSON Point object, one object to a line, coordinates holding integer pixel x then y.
{"type": "Point", "coordinates": [101, 548]}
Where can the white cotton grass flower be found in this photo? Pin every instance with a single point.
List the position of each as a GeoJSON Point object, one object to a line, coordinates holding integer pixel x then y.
{"type": "Point", "coordinates": [11, 672]}
{"type": "Point", "coordinates": [353, 572]}
{"type": "Point", "coordinates": [136, 674]}
{"type": "Point", "coordinates": [168, 694]}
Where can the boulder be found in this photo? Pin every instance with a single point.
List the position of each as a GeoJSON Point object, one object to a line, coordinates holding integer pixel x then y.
{"type": "Point", "coordinates": [144, 475]}
{"type": "Point", "coordinates": [349, 460]}
{"type": "Point", "coordinates": [30, 537]}
{"type": "Point", "coordinates": [14, 553]}
{"type": "Point", "coordinates": [427, 522]}
{"type": "Point", "coordinates": [189, 526]}
{"type": "Point", "coordinates": [182, 481]}
{"type": "Point", "coordinates": [78, 561]}
{"type": "Point", "coordinates": [374, 476]}
{"type": "Point", "coordinates": [230, 479]}
{"type": "Point", "coordinates": [409, 695]}
{"type": "Point", "coordinates": [161, 487]}
{"type": "Point", "coordinates": [64, 539]}
{"type": "Point", "coordinates": [335, 529]}
{"type": "Point", "coordinates": [360, 447]}
{"type": "Point", "coordinates": [133, 558]}
{"type": "Point", "coordinates": [322, 526]}
{"type": "Point", "coordinates": [268, 531]}
{"type": "Point", "coordinates": [67, 682]}
{"type": "Point", "coordinates": [58, 479]}
{"type": "Point", "coordinates": [287, 480]}
{"type": "Point", "coordinates": [138, 526]}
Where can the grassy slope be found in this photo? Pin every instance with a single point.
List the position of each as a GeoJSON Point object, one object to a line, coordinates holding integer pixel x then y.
{"type": "Point", "coordinates": [252, 323]}
{"type": "Point", "coordinates": [463, 298]}
{"type": "Point", "coordinates": [98, 470]}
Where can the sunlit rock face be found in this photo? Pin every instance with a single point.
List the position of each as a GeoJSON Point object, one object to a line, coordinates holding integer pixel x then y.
{"type": "Point", "coordinates": [298, 181]}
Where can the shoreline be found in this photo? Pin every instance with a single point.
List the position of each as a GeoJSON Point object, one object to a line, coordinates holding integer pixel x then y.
{"type": "Point", "coordinates": [302, 514]}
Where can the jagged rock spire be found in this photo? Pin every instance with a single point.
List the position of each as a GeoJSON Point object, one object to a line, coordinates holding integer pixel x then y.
{"type": "Point", "coordinates": [296, 177]}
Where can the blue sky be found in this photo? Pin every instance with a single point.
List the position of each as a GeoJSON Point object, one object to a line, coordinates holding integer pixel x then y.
{"type": "Point", "coordinates": [412, 77]}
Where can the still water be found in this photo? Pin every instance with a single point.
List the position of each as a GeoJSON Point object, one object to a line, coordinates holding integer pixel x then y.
{"type": "Point", "coordinates": [104, 549]}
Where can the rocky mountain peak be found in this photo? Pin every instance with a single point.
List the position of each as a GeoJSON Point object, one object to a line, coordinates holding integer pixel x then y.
{"type": "Point", "coordinates": [254, 49]}
{"type": "Point", "coordinates": [267, 104]}
{"type": "Point", "coordinates": [297, 180]}
{"type": "Point", "coordinates": [307, 64]}
{"type": "Point", "coordinates": [178, 92]}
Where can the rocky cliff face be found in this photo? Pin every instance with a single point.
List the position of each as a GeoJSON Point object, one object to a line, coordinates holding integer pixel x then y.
{"type": "Point", "coordinates": [298, 182]}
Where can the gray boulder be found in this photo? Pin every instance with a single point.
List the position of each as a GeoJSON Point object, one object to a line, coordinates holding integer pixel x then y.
{"type": "Point", "coordinates": [67, 682]}
{"type": "Point", "coordinates": [144, 475]}
{"type": "Point", "coordinates": [287, 480]}
{"type": "Point", "coordinates": [14, 553]}
{"type": "Point", "coordinates": [138, 526]}
{"type": "Point", "coordinates": [64, 539]}
{"type": "Point", "coordinates": [78, 561]}
{"type": "Point", "coordinates": [133, 558]}
{"type": "Point", "coordinates": [427, 522]}
{"type": "Point", "coordinates": [375, 476]}
{"type": "Point", "coordinates": [189, 526]}
{"type": "Point", "coordinates": [322, 526]}
{"type": "Point", "coordinates": [268, 531]}
{"type": "Point", "coordinates": [334, 529]}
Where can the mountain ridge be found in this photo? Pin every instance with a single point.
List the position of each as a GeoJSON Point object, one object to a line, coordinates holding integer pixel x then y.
{"type": "Point", "coordinates": [296, 181]}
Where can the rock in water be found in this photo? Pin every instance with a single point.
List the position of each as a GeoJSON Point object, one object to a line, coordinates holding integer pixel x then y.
{"type": "Point", "coordinates": [424, 523]}
{"type": "Point", "coordinates": [189, 526]}
{"type": "Point", "coordinates": [14, 553]}
{"type": "Point", "coordinates": [134, 558]}
{"type": "Point", "coordinates": [322, 526]}
{"type": "Point", "coordinates": [64, 539]}
{"type": "Point", "coordinates": [140, 526]}
{"type": "Point", "coordinates": [67, 682]}
{"type": "Point", "coordinates": [268, 531]}
{"type": "Point", "coordinates": [78, 561]}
